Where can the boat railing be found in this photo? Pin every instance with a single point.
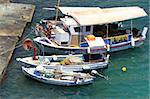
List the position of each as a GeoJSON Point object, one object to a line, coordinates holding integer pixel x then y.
{"type": "Point", "coordinates": [118, 39]}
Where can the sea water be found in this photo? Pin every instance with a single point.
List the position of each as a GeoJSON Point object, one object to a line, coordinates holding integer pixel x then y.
{"type": "Point", "coordinates": [132, 84]}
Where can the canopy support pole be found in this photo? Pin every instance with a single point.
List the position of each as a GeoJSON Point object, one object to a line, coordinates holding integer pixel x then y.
{"type": "Point", "coordinates": [107, 41]}
{"type": "Point", "coordinates": [132, 39]}
{"type": "Point", "coordinates": [131, 27]}
{"type": "Point", "coordinates": [80, 33]}
{"type": "Point", "coordinates": [107, 31]}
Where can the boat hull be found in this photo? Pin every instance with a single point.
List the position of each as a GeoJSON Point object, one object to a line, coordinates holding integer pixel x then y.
{"type": "Point", "coordinates": [55, 82]}
{"type": "Point", "coordinates": [44, 44]}
{"type": "Point", "coordinates": [126, 45]}
{"type": "Point", "coordinates": [48, 49]}
{"type": "Point", "coordinates": [82, 67]}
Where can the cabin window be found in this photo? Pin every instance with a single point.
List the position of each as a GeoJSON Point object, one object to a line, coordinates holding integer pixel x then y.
{"type": "Point", "coordinates": [88, 28]}
{"type": "Point", "coordinates": [77, 29]}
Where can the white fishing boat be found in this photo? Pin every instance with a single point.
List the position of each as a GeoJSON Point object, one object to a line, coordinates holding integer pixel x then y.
{"type": "Point", "coordinates": [57, 77]}
{"type": "Point", "coordinates": [67, 62]}
{"type": "Point", "coordinates": [99, 29]}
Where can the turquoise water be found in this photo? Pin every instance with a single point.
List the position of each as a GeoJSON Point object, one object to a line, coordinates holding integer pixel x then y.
{"type": "Point", "coordinates": [133, 84]}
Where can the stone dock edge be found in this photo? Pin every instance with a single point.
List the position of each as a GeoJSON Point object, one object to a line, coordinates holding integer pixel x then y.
{"type": "Point", "coordinates": [13, 20]}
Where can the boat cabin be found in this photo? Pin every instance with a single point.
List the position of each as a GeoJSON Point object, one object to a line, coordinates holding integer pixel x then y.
{"type": "Point", "coordinates": [69, 32]}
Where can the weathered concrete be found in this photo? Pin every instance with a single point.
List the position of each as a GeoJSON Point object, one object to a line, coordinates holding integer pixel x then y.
{"type": "Point", "coordinates": [4, 1]}
{"type": "Point", "coordinates": [12, 27]}
{"type": "Point", "coordinates": [7, 45]}
{"type": "Point", "coordinates": [15, 11]}
{"type": "Point", "coordinates": [13, 19]}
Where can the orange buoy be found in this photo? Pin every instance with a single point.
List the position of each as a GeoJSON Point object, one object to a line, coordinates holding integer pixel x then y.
{"type": "Point", "coordinates": [91, 37]}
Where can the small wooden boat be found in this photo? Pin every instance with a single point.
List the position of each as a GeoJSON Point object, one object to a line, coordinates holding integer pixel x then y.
{"type": "Point", "coordinates": [67, 62]}
{"type": "Point", "coordinates": [57, 77]}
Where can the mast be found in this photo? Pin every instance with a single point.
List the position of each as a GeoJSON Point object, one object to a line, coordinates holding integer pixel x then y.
{"type": "Point", "coordinates": [58, 3]}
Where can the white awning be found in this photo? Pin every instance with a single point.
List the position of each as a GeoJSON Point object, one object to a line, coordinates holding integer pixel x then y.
{"type": "Point", "coordinates": [96, 15]}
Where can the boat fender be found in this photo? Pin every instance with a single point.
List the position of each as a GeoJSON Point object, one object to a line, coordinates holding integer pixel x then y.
{"type": "Point", "coordinates": [108, 47]}
{"type": "Point", "coordinates": [86, 67]}
{"type": "Point", "coordinates": [88, 50]}
{"type": "Point", "coordinates": [144, 32]}
{"type": "Point", "coordinates": [107, 58]}
{"type": "Point", "coordinates": [132, 41]}
{"type": "Point", "coordinates": [54, 57]}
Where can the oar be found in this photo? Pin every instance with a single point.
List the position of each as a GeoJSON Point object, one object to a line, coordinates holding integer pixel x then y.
{"type": "Point", "coordinates": [96, 73]}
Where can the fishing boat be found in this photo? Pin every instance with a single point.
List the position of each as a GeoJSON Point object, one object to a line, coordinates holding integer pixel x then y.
{"type": "Point", "coordinates": [67, 62]}
{"type": "Point", "coordinates": [57, 77]}
{"type": "Point", "coordinates": [99, 29]}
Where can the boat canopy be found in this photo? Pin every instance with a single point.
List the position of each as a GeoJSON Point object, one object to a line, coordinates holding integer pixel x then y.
{"type": "Point", "coordinates": [95, 15]}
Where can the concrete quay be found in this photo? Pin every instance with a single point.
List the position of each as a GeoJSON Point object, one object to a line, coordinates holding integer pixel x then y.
{"type": "Point", "coordinates": [13, 19]}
